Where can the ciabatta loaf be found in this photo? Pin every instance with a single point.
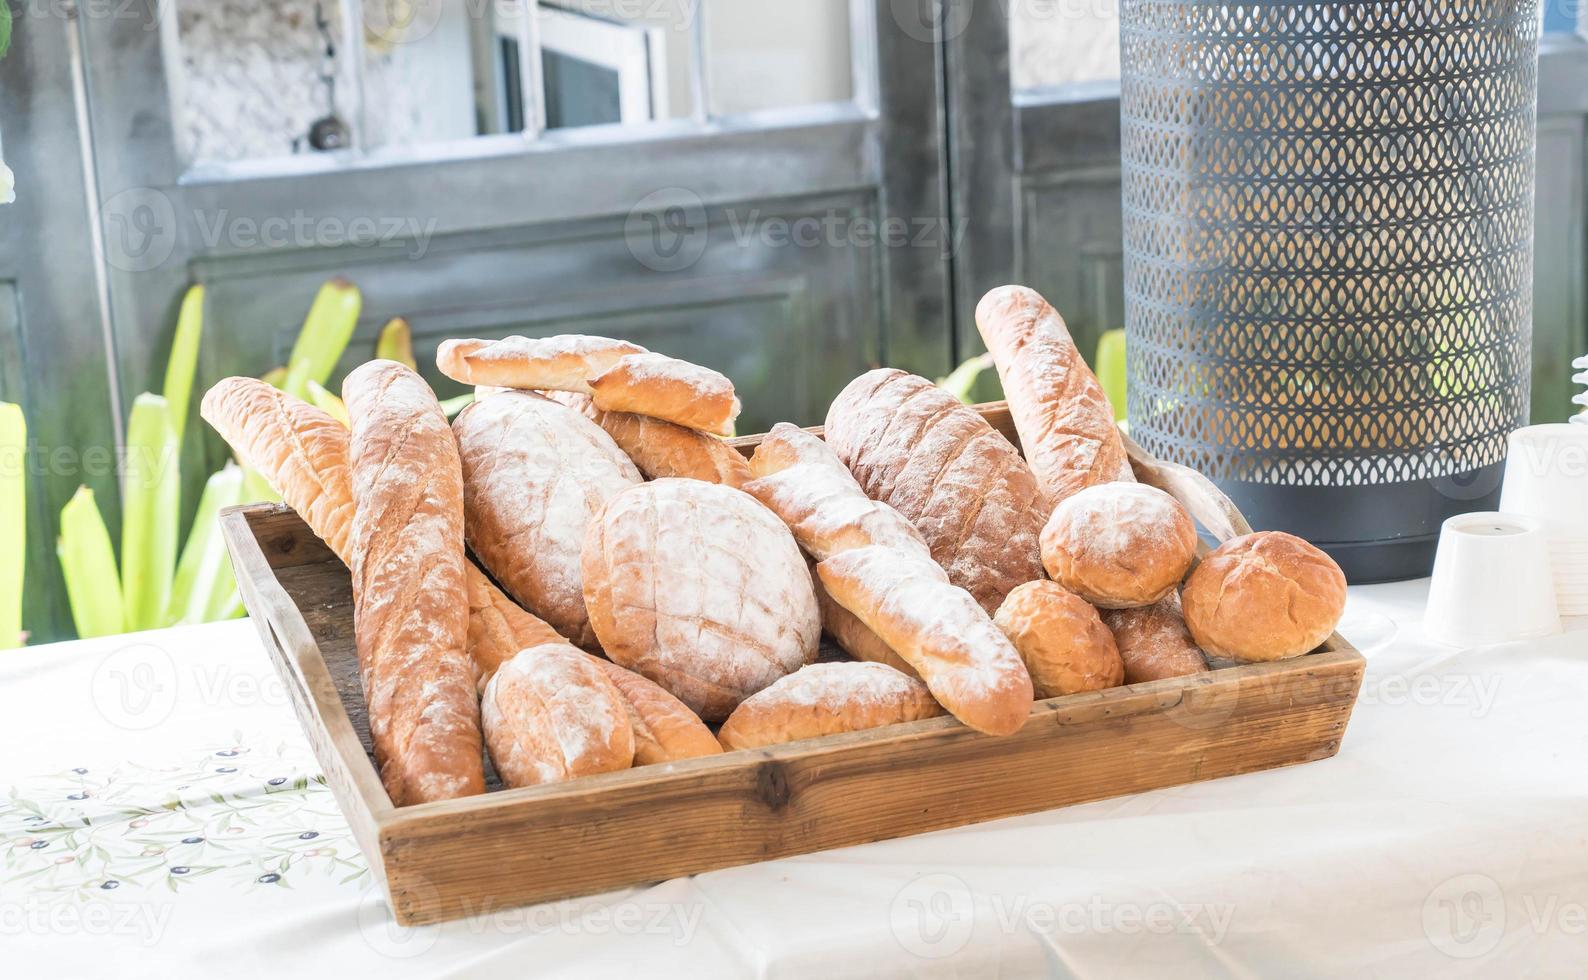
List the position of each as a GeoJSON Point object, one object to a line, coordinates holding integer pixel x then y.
{"type": "Point", "coordinates": [410, 601]}
{"type": "Point", "coordinates": [827, 699]}
{"type": "Point", "coordinates": [534, 474]}
{"type": "Point", "coordinates": [701, 589]}
{"type": "Point", "coordinates": [566, 363]}
{"type": "Point", "coordinates": [966, 662]}
{"type": "Point", "coordinates": [1065, 422]}
{"type": "Point", "coordinates": [551, 714]}
{"type": "Point", "coordinates": [666, 388]}
{"type": "Point", "coordinates": [916, 448]}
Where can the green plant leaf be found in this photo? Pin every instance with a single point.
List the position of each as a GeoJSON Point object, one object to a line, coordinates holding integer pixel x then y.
{"type": "Point", "coordinates": [204, 579]}
{"type": "Point", "coordinates": [328, 403]}
{"type": "Point", "coordinates": [5, 28]}
{"type": "Point", "coordinates": [13, 519]}
{"type": "Point", "coordinates": [962, 381]}
{"type": "Point", "coordinates": [396, 343]}
{"type": "Point", "coordinates": [183, 362]}
{"type": "Point", "coordinates": [89, 566]}
{"type": "Point", "coordinates": [151, 500]}
{"type": "Point", "coordinates": [325, 334]}
{"type": "Point", "coordinates": [452, 406]}
{"type": "Point", "coordinates": [1111, 370]}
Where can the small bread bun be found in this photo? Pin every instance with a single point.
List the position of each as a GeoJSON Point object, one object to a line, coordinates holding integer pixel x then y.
{"type": "Point", "coordinates": [1059, 635]}
{"type": "Point", "coordinates": [1154, 642]}
{"type": "Point", "coordinates": [1265, 596]}
{"type": "Point", "coordinates": [1119, 545]}
{"type": "Point", "coordinates": [827, 699]}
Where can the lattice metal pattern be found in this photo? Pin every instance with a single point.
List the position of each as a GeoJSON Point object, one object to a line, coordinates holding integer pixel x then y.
{"type": "Point", "coordinates": [1328, 234]}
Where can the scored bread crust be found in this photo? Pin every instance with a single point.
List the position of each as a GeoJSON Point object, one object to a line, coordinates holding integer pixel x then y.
{"type": "Point", "coordinates": [662, 387]}
{"type": "Point", "coordinates": [916, 448]}
{"type": "Point", "coordinates": [1153, 641]}
{"type": "Point", "coordinates": [1064, 418]}
{"type": "Point", "coordinates": [551, 714]}
{"type": "Point", "coordinates": [566, 362]}
{"type": "Point", "coordinates": [1061, 638]}
{"type": "Point", "coordinates": [535, 474]}
{"type": "Point", "coordinates": [966, 661]}
{"type": "Point", "coordinates": [827, 699]}
{"type": "Point", "coordinates": [1263, 596]}
{"type": "Point", "coordinates": [701, 589]}
{"type": "Point", "coordinates": [410, 602]}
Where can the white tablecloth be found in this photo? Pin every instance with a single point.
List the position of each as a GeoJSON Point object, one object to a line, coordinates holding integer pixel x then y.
{"type": "Point", "coordinates": [163, 817]}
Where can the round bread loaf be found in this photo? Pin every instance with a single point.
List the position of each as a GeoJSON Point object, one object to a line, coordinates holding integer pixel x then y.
{"type": "Point", "coordinates": [1119, 545]}
{"type": "Point", "coordinates": [1264, 596]}
{"type": "Point", "coordinates": [1059, 635]}
{"type": "Point", "coordinates": [1154, 642]}
{"type": "Point", "coordinates": [826, 699]}
{"type": "Point", "coordinates": [701, 589]}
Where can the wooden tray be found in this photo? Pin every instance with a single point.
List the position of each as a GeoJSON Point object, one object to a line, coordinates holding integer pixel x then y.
{"type": "Point", "coordinates": [440, 861]}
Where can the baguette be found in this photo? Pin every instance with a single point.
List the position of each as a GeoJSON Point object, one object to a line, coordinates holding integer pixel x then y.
{"type": "Point", "coordinates": [664, 450]}
{"type": "Point", "coordinates": [550, 714]}
{"type": "Point", "coordinates": [940, 629]}
{"type": "Point", "coordinates": [666, 388]}
{"type": "Point", "coordinates": [853, 636]}
{"type": "Point", "coordinates": [827, 699]}
{"type": "Point", "coordinates": [567, 363]}
{"type": "Point", "coordinates": [1065, 422]}
{"type": "Point", "coordinates": [410, 601]}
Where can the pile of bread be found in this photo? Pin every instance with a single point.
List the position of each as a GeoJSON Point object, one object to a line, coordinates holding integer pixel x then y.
{"type": "Point", "coordinates": [582, 575]}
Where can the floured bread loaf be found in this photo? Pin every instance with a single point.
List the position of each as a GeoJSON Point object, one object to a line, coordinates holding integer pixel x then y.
{"type": "Point", "coordinates": [534, 475]}
{"type": "Point", "coordinates": [827, 699]}
{"type": "Point", "coordinates": [664, 450]}
{"type": "Point", "coordinates": [565, 363]}
{"type": "Point", "coordinates": [665, 730]}
{"type": "Point", "coordinates": [1119, 545]}
{"type": "Point", "coordinates": [701, 589]}
{"type": "Point", "coordinates": [916, 448]}
{"type": "Point", "coordinates": [551, 714]}
{"type": "Point", "coordinates": [666, 388]}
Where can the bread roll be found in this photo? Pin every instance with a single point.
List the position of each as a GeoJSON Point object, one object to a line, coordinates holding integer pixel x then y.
{"type": "Point", "coordinates": [665, 730]}
{"type": "Point", "coordinates": [1119, 545]}
{"type": "Point", "coordinates": [1065, 422]}
{"type": "Point", "coordinates": [1062, 640]}
{"type": "Point", "coordinates": [551, 714]}
{"type": "Point", "coordinates": [535, 473]}
{"type": "Point", "coordinates": [666, 388]}
{"type": "Point", "coordinates": [1264, 596]}
{"type": "Point", "coordinates": [410, 603]}
{"type": "Point", "coordinates": [827, 699]}
{"type": "Point", "coordinates": [566, 363]}
{"type": "Point", "coordinates": [1153, 641]}
{"type": "Point", "coordinates": [967, 663]}
{"type": "Point", "coordinates": [914, 447]}
{"type": "Point", "coordinates": [701, 589]}
{"type": "Point", "coordinates": [801, 480]}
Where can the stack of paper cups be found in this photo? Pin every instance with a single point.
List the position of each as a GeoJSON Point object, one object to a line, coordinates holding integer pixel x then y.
{"type": "Point", "coordinates": [1546, 477]}
{"type": "Point", "coordinates": [1581, 398]}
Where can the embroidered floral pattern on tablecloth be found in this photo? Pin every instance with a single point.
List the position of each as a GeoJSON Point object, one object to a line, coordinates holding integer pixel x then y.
{"type": "Point", "coordinates": [243, 815]}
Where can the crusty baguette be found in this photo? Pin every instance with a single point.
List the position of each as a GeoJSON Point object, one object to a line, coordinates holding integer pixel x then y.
{"type": "Point", "coordinates": [827, 699]}
{"type": "Point", "coordinates": [535, 473]}
{"type": "Point", "coordinates": [855, 637]}
{"type": "Point", "coordinates": [940, 629]}
{"type": "Point", "coordinates": [915, 447]}
{"type": "Point", "coordinates": [567, 363]}
{"type": "Point", "coordinates": [551, 714]}
{"type": "Point", "coordinates": [298, 449]}
{"type": "Point", "coordinates": [664, 450]}
{"type": "Point", "coordinates": [800, 479]}
{"type": "Point", "coordinates": [499, 628]}
{"type": "Point", "coordinates": [666, 388]}
{"type": "Point", "coordinates": [665, 730]}
{"type": "Point", "coordinates": [410, 603]}
{"type": "Point", "coordinates": [1065, 422]}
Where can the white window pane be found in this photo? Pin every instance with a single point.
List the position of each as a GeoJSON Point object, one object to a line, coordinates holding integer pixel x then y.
{"type": "Point", "coordinates": [1058, 42]}
{"type": "Point", "coordinates": [767, 54]}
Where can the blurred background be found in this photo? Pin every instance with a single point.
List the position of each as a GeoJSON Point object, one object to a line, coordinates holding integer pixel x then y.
{"type": "Point", "coordinates": [789, 192]}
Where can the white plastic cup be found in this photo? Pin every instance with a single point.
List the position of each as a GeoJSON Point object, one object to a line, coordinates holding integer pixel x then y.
{"type": "Point", "coordinates": [1546, 476]}
{"type": "Point", "coordinates": [1492, 582]}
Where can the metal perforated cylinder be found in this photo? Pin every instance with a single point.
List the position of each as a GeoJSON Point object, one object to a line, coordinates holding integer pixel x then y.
{"type": "Point", "coordinates": [1328, 230]}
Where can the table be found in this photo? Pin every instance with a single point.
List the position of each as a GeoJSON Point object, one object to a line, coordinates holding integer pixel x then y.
{"type": "Point", "coordinates": [163, 816]}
